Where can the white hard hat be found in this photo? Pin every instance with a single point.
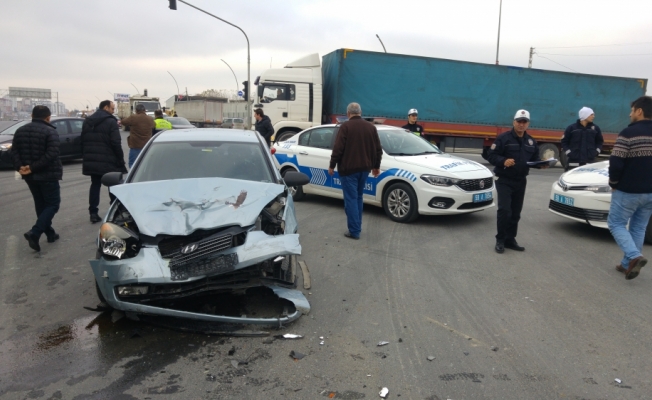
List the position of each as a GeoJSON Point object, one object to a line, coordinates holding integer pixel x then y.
{"type": "Point", "coordinates": [413, 111]}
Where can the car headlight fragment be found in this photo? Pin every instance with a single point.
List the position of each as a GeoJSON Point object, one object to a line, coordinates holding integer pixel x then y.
{"type": "Point", "coordinates": [440, 180]}
{"type": "Point", "coordinates": [115, 240]}
{"type": "Point", "coordinates": [598, 188]}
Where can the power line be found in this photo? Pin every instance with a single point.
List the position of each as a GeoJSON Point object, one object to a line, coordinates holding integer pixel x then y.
{"type": "Point", "coordinates": [557, 63]}
{"type": "Point", "coordinates": [596, 45]}
{"type": "Point", "coordinates": [597, 55]}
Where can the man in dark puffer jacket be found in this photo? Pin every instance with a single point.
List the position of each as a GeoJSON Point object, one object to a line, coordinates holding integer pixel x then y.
{"type": "Point", "coordinates": [102, 150]}
{"type": "Point", "coordinates": [35, 151]}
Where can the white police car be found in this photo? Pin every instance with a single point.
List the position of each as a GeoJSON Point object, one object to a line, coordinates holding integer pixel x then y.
{"type": "Point", "coordinates": [583, 194]}
{"type": "Point", "coordinates": [416, 177]}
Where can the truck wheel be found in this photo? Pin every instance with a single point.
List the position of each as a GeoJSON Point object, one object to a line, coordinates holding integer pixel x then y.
{"type": "Point", "coordinates": [400, 203]}
{"type": "Point", "coordinates": [648, 232]}
{"type": "Point", "coordinates": [283, 136]}
{"type": "Point", "coordinates": [548, 150]}
{"type": "Point", "coordinates": [295, 191]}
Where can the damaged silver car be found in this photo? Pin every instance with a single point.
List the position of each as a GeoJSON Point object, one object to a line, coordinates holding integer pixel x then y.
{"type": "Point", "coordinates": [202, 213]}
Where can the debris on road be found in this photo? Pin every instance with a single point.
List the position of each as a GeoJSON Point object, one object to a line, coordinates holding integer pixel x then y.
{"type": "Point", "coordinates": [116, 316]}
{"type": "Point", "coordinates": [268, 340]}
{"type": "Point", "coordinates": [494, 348]}
{"type": "Point", "coordinates": [400, 340]}
{"type": "Point", "coordinates": [321, 343]}
{"type": "Point", "coordinates": [306, 275]}
{"type": "Point", "coordinates": [382, 343]}
{"type": "Point", "coordinates": [296, 355]}
{"type": "Point", "coordinates": [430, 358]}
{"type": "Point", "coordinates": [383, 392]}
{"type": "Point", "coordinates": [288, 336]}
{"type": "Point", "coordinates": [618, 381]}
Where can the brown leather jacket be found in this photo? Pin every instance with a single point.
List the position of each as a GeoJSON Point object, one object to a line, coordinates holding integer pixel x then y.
{"type": "Point", "coordinates": [357, 147]}
{"type": "Point", "coordinates": [141, 130]}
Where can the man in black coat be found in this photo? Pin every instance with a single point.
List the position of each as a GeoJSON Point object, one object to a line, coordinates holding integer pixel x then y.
{"type": "Point", "coordinates": [102, 150]}
{"type": "Point", "coordinates": [35, 151]}
{"type": "Point", "coordinates": [264, 126]}
{"type": "Point", "coordinates": [582, 141]}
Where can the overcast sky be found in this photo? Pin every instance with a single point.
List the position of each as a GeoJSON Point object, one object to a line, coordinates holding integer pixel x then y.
{"type": "Point", "coordinates": [88, 49]}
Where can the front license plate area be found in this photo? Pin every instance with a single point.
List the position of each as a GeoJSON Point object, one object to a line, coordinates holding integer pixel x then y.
{"type": "Point", "coordinates": [480, 197]}
{"type": "Point", "coordinates": [205, 266]}
{"type": "Point", "coordinates": [569, 201]}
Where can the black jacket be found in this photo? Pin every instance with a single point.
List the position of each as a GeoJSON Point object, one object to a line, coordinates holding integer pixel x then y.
{"type": "Point", "coordinates": [37, 145]}
{"type": "Point", "coordinates": [102, 145]}
{"type": "Point", "coordinates": [265, 128]}
{"type": "Point", "coordinates": [582, 143]}
{"type": "Point", "coordinates": [630, 162]}
{"type": "Point", "coordinates": [414, 128]}
{"type": "Point", "coordinates": [508, 145]}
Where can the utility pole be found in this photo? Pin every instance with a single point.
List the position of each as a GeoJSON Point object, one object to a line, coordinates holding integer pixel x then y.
{"type": "Point", "coordinates": [175, 81]}
{"type": "Point", "coordinates": [381, 43]}
{"type": "Point", "coordinates": [237, 87]}
{"type": "Point", "coordinates": [500, 13]}
{"type": "Point", "coordinates": [529, 64]}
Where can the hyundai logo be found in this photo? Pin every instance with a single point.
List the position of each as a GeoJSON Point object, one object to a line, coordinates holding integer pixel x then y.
{"type": "Point", "coordinates": [189, 248]}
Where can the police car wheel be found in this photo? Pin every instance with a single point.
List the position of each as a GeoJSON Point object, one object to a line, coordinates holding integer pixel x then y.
{"type": "Point", "coordinates": [400, 203]}
{"type": "Point", "coordinates": [648, 232]}
{"type": "Point", "coordinates": [295, 191]}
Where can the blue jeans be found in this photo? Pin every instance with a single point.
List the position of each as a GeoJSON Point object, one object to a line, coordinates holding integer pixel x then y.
{"type": "Point", "coordinates": [352, 188]}
{"type": "Point", "coordinates": [47, 199]}
{"type": "Point", "coordinates": [635, 208]}
{"type": "Point", "coordinates": [133, 154]}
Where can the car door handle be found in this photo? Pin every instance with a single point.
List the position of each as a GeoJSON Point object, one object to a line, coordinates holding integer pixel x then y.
{"type": "Point", "coordinates": [305, 153]}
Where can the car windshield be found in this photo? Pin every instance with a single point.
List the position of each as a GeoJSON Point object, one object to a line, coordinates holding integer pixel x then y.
{"type": "Point", "coordinates": [13, 128]}
{"type": "Point", "coordinates": [399, 142]}
{"type": "Point", "coordinates": [207, 159]}
{"type": "Point", "coordinates": [149, 106]}
{"type": "Point", "coordinates": [178, 121]}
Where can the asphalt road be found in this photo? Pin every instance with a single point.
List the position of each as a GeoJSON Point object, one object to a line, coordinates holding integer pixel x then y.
{"type": "Point", "coordinates": [563, 323]}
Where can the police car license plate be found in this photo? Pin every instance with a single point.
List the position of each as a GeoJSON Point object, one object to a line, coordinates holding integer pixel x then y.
{"type": "Point", "coordinates": [569, 201]}
{"type": "Point", "coordinates": [480, 197]}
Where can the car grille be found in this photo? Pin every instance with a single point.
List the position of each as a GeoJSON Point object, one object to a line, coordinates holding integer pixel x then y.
{"type": "Point", "coordinates": [472, 185]}
{"type": "Point", "coordinates": [581, 213]}
{"type": "Point", "coordinates": [199, 253]}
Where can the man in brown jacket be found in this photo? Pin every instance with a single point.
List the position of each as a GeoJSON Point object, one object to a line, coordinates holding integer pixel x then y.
{"type": "Point", "coordinates": [357, 151]}
{"type": "Point", "coordinates": [142, 126]}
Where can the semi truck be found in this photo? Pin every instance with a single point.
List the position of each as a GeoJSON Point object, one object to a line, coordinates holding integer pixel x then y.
{"type": "Point", "coordinates": [200, 111]}
{"type": "Point", "coordinates": [151, 104]}
{"type": "Point", "coordinates": [462, 105]}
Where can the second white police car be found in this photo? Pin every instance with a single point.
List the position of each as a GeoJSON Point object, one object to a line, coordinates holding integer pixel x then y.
{"type": "Point", "coordinates": [416, 177]}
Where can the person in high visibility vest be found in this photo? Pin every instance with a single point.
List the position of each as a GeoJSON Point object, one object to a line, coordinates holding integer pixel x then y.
{"type": "Point", "coordinates": [161, 123]}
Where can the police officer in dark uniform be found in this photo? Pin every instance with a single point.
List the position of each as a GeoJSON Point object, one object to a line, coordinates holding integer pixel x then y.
{"type": "Point", "coordinates": [510, 154]}
{"type": "Point", "coordinates": [582, 141]}
{"type": "Point", "coordinates": [412, 125]}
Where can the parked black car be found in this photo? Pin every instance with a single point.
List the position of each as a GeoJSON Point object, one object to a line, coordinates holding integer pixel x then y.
{"type": "Point", "coordinates": [68, 128]}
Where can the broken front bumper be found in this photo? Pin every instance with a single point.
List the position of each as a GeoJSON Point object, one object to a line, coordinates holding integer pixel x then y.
{"type": "Point", "coordinates": [148, 268]}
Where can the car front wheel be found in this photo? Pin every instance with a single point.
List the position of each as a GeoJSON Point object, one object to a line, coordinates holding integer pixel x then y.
{"type": "Point", "coordinates": [400, 203]}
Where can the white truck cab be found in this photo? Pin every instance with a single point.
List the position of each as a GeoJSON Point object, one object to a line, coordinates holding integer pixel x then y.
{"type": "Point", "coordinates": [292, 96]}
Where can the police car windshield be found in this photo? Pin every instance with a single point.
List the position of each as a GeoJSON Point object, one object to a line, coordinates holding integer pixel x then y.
{"type": "Point", "coordinates": [399, 142]}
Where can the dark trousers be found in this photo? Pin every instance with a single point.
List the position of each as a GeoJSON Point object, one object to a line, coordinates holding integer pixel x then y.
{"type": "Point", "coordinates": [511, 193]}
{"type": "Point", "coordinates": [353, 189]}
{"type": "Point", "coordinates": [47, 199]}
{"type": "Point", "coordinates": [94, 194]}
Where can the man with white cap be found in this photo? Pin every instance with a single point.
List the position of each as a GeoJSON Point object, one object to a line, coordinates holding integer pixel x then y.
{"type": "Point", "coordinates": [412, 125]}
{"type": "Point", "coordinates": [582, 141]}
{"type": "Point", "coordinates": [509, 155]}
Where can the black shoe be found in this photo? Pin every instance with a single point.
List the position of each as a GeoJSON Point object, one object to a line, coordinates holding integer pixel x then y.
{"type": "Point", "coordinates": [348, 234]}
{"type": "Point", "coordinates": [33, 241]}
{"type": "Point", "coordinates": [512, 244]}
{"type": "Point", "coordinates": [53, 238]}
{"type": "Point", "coordinates": [95, 218]}
{"type": "Point", "coordinates": [500, 247]}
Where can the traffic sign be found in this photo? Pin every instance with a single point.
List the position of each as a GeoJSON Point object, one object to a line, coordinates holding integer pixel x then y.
{"type": "Point", "coordinates": [240, 93]}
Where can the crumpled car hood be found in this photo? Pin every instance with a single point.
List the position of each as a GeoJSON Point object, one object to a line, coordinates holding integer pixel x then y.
{"type": "Point", "coordinates": [181, 206]}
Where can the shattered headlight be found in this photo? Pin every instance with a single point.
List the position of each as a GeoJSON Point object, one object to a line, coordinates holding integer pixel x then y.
{"type": "Point", "coordinates": [116, 241]}
{"type": "Point", "coordinates": [598, 188]}
{"type": "Point", "coordinates": [440, 180]}
{"type": "Point", "coordinates": [270, 219]}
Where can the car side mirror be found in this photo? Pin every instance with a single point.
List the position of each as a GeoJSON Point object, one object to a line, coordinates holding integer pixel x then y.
{"type": "Point", "coordinates": [112, 178]}
{"type": "Point", "coordinates": [293, 178]}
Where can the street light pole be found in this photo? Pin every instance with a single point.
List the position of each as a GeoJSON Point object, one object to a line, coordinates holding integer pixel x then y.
{"type": "Point", "coordinates": [381, 42]}
{"type": "Point", "coordinates": [237, 87]}
{"type": "Point", "coordinates": [500, 13]}
{"type": "Point", "coordinates": [248, 53]}
{"type": "Point", "coordinates": [137, 91]}
{"type": "Point", "coordinates": [175, 82]}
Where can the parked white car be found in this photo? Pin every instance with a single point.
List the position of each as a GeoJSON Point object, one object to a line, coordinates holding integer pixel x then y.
{"type": "Point", "coordinates": [583, 194]}
{"type": "Point", "coordinates": [416, 177]}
